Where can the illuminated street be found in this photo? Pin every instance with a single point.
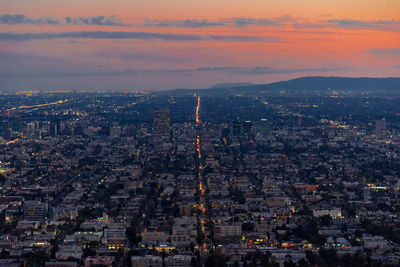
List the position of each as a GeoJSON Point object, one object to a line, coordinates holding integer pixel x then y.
{"type": "Point", "coordinates": [202, 204]}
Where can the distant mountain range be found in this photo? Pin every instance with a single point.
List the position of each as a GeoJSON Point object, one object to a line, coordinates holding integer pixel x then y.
{"type": "Point", "coordinates": [307, 86]}
{"type": "Point", "coordinates": [227, 85]}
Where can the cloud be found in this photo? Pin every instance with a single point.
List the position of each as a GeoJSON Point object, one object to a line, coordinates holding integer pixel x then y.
{"type": "Point", "coordinates": [241, 22]}
{"type": "Point", "coordinates": [382, 25]}
{"type": "Point", "coordinates": [188, 23]}
{"type": "Point", "coordinates": [224, 69]}
{"type": "Point", "coordinates": [99, 20]}
{"type": "Point", "coordinates": [231, 22]}
{"type": "Point", "coordinates": [362, 23]}
{"type": "Point", "coordinates": [386, 25]}
{"type": "Point", "coordinates": [15, 19]}
{"type": "Point", "coordinates": [392, 53]}
{"type": "Point", "coordinates": [245, 38]}
{"type": "Point", "coordinates": [11, 19]}
{"type": "Point", "coordinates": [390, 25]}
{"type": "Point", "coordinates": [7, 36]}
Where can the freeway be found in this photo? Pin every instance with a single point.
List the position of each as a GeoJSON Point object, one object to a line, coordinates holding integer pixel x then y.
{"type": "Point", "coordinates": [36, 106]}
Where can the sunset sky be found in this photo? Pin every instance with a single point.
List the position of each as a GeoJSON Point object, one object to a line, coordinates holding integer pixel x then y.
{"type": "Point", "coordinates": [165, 44]}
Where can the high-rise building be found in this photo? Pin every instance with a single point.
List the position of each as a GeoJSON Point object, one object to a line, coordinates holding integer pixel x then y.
{"type": "Point", "coordinates": [380, 127]}
{"type": "Point", "coordinates": [9, 133]}
{"type": "Point", "coordinates": [225, 132]}
{"type": "Point", "coordinates": [161, 122]}
{"type": "Point", "coordinates": [55, 127]}
{"type": "Point", "coordinates": [11, 126]}
{"type": "Point", "coordinates": [236, 128]}
{"type": "Point", "coordinates": [247, 127]}
{"type": "Point", "coordinates": [32, 128]}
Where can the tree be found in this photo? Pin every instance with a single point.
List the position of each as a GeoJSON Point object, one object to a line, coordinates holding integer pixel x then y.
{"type": "Point", "coordinates": [237, 195]}
{"type": "Point", "coordinates": [4, 254]}
{"type": "Point", "coordinates": [194, 262]}
{"type": "Point", "coordinates": [214, 261]}
{"type": "Point", "coordinates": [289, 263]}
{"type": "Point", "coordinates": [325, 220]}
{"type": "Point", "coordinates": [248, 226]}
{"type": "Point", "coordinates": [264, 258]}
{"type": "Point", "coordinates": [2, 178]}
{"type": "Point", "coordinates": [303, 263]}
{"type": "Point", "coordinates": [329, 255]}
{"type": "Point", "coordinates": [37, 258]}
{"type": "Point", "coordinates": [311, 257]}
{"type": "Point", "coordinates": [88, 252]}
{"type": "Point", "coordinates": [131, 233]}
{"type": "Point", "coordinates": [74, 259]}
{"type": "Point", "coordinates": [2, 219]}
{"type": "Point", "coordinates": [352, 260]}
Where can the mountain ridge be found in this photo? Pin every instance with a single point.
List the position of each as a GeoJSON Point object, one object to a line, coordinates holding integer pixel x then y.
{"type": "Point", "coordinates": [309, 85]}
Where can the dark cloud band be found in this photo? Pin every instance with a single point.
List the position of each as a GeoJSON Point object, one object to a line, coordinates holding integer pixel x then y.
{"type": "Point", "coordinates": [15, 19]}
{"type": "Point", "coordinates": [11, 19]}
{"type": "Point", "coordinates": [99, 20]}
{"type": "Point", "coordinates": [387, 25]}
{"type": "Point", "coordinates": [7, 36]}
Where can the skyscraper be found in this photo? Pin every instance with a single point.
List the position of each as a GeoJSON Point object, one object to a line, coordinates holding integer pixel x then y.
{"type": "Point", "coordinates": [161, 121]}
{"type": "Point", "coordinates": [380, 127]}
{"type": "Point", "coordinates": [236, 128]}
{"type": "Point", "coordinates": [55, 127]}
{"type": "Point", "coordinates": [247, 126]}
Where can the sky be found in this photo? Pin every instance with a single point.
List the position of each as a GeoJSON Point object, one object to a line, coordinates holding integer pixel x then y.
{"type": "Point", "coordinates": [167, 44]}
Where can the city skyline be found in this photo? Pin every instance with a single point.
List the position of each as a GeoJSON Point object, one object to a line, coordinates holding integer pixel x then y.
{"type": "Point", "coordinates": [155, 45]}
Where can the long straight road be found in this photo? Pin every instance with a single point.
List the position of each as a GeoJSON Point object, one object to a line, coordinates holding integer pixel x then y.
{"type": "Point", "coordinates": [197, 111]}
{"type": "Point", "coordinates": [202, 203]}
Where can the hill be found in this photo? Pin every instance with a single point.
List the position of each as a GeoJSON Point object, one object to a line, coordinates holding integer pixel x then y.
{"type": "Point", "coordinates": [323, 86]}
{"type": "Point", "coordinates": [305, 86]}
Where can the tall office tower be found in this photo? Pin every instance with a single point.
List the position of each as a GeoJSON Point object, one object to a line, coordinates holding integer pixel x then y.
{"type": "Point", "coordinates": [161, 122]}
{"type": "Point", "coordinates": [55, 127]}
{"type": "Point", "coordinates": [247, 127]}
{"type": "Point", "coordinates": [9, 133]}
{"type": "Point", "coordinates": [10, 126]}
{"type": "Point", "coordinates": [225, 132]}
{"type": "Point", "coordinates": [380, 127]}
{"type": "Point", "coordinates": [30, 129]}
{"type": "Point", "coordinates": [236, 128]}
